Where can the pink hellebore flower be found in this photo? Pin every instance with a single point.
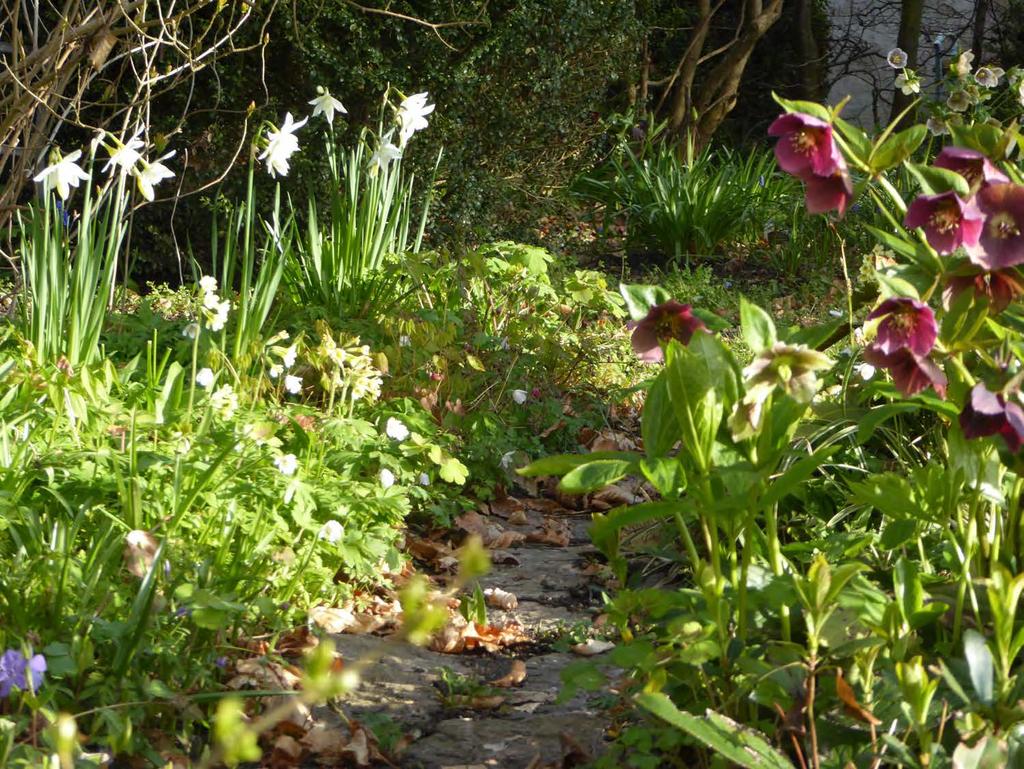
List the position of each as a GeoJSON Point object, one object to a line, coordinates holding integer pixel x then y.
{"type": "Point", "coordinates": [1000, 287]}
{"type": "Point", "coordinates": [906, 324]}
{"type": "Point", "coordinates": [829, 193]}
{"type": "Point", "coordinates": [805, 145]}
{"type": "Point", "coordinates": [977, 169]}
{"type": "Point", "coordinates": [948, 221]}
{"type": "Point", "coordinates": [988, 413]}
{"type": "Point", "coordinates": [663, 323]}
{"type": "Point", "coordinates": [1001, 243]}
{"type": "Point", "coordinates": [910, 372]}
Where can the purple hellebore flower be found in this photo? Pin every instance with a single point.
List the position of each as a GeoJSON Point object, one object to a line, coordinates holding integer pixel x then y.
{"type": "Point", "coordinates": [906, 324]}
{"type": "Point", "coordinates": [1001, 243]}
{"type": "Point", "coordinates": [1000, 287]}
{"type": "Point", "coordinates": [832, 192]}
{"type": "Point", "coordinates": [664, 322]}
{"type": "Point", "coordinates": [948, 221]}
{"type": "Point", "coordinates": [805, 145]}
{"type": "Point", "coordinates": [977, 169]}
{"type": "Point", "coordinates": [988, 413]}
{"type": "Point", "coordinates": [13, 668]}
{"type": "Point", "coordinates": [910, 372]}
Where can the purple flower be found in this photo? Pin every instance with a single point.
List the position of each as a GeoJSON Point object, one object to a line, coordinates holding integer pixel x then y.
{"type": "Point", "coordinates": [13, 668]}
{"type": "Point", "coordinates": [221, 662]}
{"type": "Point", "coordinates": [664, 322]}
{"type": "Point", "coordinates": [1000, 287]}
{"type": "Point", "coordinates": [977, 169]}
{"type": "Point", "coordinates": [948, 221]}
{"type": "Point", "coordinates": [1001, 243]}
{"type": "Point", "coordinates": [910, 372]}
{"type": "Point", "coordinates": [805, 145]}
{"type": "Point", "coordinates": [988, 413]}
{"type": "Point", "coordinates": [906, 324]}
{"type": "Point", "coordinates": [829, 193]}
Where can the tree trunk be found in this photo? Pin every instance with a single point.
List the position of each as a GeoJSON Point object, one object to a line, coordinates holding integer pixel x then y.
{"type": "Point", "coordinates": [812, 71]}
{"type": "Point", "coordinates": [718, 92]}
{"type": "Point", "coordinates": [909, 35]}
{"type": "Point", "coordinates": [980, 18]}
{"type": "Point", "coordinates": [687, 68]}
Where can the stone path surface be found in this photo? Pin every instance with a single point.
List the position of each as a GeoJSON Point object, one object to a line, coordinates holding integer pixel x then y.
{"type": "Point", "coordinates": [529, 728]}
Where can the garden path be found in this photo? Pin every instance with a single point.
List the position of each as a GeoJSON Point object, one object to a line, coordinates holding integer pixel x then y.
{"type": "Point", "coordinates": [515, 727]}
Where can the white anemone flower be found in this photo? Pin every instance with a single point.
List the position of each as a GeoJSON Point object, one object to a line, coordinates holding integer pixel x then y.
{"type": "Point", "coordinates": [385, 153]}
{"type": "Point", "coordinates": [152, 174]}
{"type": "Point", "coordinates": [281, 145]}
{"type": "Point", "coordinates": [332, 531]}
{"type": "Point", "coordinates": [64, 174]}
{"type": "Point", "coordinates": [412, 116]}
{"type": "Point", "coordinates": [288, 359]}
{"type": "Point", "coordinates": [326, 105]}
{"type": "Point", "coordinates": [520, 396]}
{"type": "Point", "coordinates": [287, 464]}
{"type": "Point", "coordinates": [424, 479]}
{"type": "Point", "coordinates": [205, 377]}
{"type": "Point", "coordinates": [208, 284]}
{"type": "Point", "coordinates": [396, 430]}
{"type": "Point", "coordinates": [126, 155]}
{"type": "Point", "coordinates": [387, 478]}
{"type": "Point", "coordinates": [293, 384]}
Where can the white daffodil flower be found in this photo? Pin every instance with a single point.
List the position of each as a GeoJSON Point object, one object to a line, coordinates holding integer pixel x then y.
{"type": "Point", "coordinates": [326, 105]}
{"type": "Point", "coordinates": [332, 531]}
{"type": "Point", "coordinates": [125, 156]}
{"type": "Point", "coordinates": [385, 153]}
{"type": "Point", "coordinates": [293, 384]}
{"type": "Point", "coordinates": [63, 174]}
{"type": "Point", "coordinates": [287, 464]}
{"type": "Point", "coordinates": [205, 377]}
{"type": "Point", "coordinates": [412, 116]}
{"type": "Point", "coordinates": [148, 175]}
{"type": "Point", "coordinates": [387, 478]}
{"type": "Point", "coordinates": [281, 145]}
{"type": "Point", "coordinates": [396, 430]}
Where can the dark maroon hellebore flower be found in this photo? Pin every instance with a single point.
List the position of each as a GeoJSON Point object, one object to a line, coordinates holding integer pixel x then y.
{"type": "Point", "coordinates": [948, 221]}
{"type": "Point", "coordinates": [977, 169]}
{"type": "Point", "coordinates": [911, 373]}
{"type": "Point", "coordinates": [1001, 243]}
{"type": "Point", "coordinates": [1000, 288]}
{"type": "Point", "coordinates": [805, 145]}
{"type": "Point", "coordinates": [988, 413]}
{"type": "Point", "coordinates": [664, 322]}
{"type": "Point", "coordinates": [906, 324]}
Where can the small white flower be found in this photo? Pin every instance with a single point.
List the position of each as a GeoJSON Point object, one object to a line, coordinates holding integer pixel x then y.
{"type": "Point", "coordinates": [204, 378]}
{"type": "Point", "coordinates": [387, 478]}
{"type": "Point", "coordinates": [293, 384]}
{"type": "Point", "coordinates": [897, 58]}
{"type": "Point", "coordinates": [281, 145]}
{"type": "Point", "coordinates": [424, 479]}
{"type": "Point", "coordinates": [836, 313]}
{"type": "Point", "coordinates": [126, 155]}
{"type": "Point", "coordinates": [986, 77]}
{"type": "Point", "coordinates": [404, 341]}
{"type": "Point", "coordinates": [152, 174]}
{"type": "Point", "coordinates": [963, 63]}
{"type": "Point", "coordinates": [326, 105]}
{"type": "Point", "coordinates": [908, 83]}
{"type": "Point", "coordinates": [287, 464]}
{"type": "Point", "coordinates": [208, 284]}
{"type": "Point", "coordinates": [412, 116]}
{"type": "Point", "coordinates": [520, 396]}
{"type": "Point", "coordinates": [937, 127]}
{"type": "Point", "coordinates": [62, 175]}
{"type": "Point", "coordinates": [332, 531]}
{"type": "Point", "coordinates": [865, 371]}
{"type": "Point", "coordinates": [138, 538]}
{"type": "Point", "coordinates": [396, 430]}
{"type": "Point", "coordinates": [191, 330]}
{"type": "Point", "coordinates": [958, 101]}
{"type": "Point", "coordinates": [1020, 92]}
{"type": "Point", "coordinates": [288, 359]}
{"type": "Point", "coordinates": [385, 153]}
{"type": "Point", "coordinates": [220, 315]}
{"type": "Point", "coordinates": [225, 401]}
{"type": "Point", "coordinates": [276, 370]}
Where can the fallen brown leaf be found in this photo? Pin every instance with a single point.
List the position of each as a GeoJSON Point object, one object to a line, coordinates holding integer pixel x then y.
{"type": "Point", "coordinates": [552, 533]}
{"type": "Point", "coordinates": [514, 677]}
{"type": "Point", "coordinates": [518, 518]}
{"type": "Point", "coordinates": [500, 599]}
{"type": "Point", "coordinates": [592, 647]}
